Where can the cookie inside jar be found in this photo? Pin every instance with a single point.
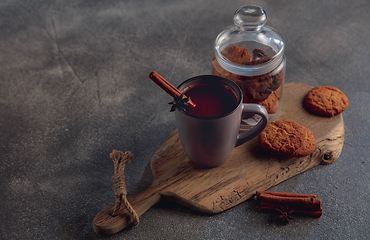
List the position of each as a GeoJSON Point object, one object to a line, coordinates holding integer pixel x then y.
{"type": "Point", "coordinates": [264, 89]}
{"type": "Point", "coordinates": [251, 54]}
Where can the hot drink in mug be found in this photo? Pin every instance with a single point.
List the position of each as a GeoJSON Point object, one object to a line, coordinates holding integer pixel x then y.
{"type": "Point", "coordinates": [209, 131]}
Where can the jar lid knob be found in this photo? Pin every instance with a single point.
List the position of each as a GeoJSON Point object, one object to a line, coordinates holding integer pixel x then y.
{"type": "Point", "coordinates": [250, 17]}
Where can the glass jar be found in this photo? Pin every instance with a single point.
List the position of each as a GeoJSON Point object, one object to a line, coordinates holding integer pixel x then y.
{"type": "Point", "coordinates": [252, 55]}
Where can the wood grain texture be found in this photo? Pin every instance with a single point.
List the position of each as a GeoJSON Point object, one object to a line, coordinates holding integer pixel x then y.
{"type": "Point", "coordinates": [248, 169]}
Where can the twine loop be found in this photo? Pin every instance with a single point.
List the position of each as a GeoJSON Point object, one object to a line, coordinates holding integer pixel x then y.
{"type": "Point", "coordinates": [119, 185]}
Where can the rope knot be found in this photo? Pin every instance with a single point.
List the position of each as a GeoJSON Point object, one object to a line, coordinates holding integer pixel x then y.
{"type": "Point", "coordinates": [120, 160]}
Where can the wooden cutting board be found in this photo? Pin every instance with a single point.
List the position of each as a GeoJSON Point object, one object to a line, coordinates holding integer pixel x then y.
{"type": "Point", "coordinates": [248, 169]}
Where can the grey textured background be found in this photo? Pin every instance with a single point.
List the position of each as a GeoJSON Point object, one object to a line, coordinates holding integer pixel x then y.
{"type": "Point", "coordinates": [74, 86]}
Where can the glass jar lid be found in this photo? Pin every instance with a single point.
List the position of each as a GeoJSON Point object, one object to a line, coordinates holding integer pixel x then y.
{"type": "Point", "coordinates": [250, 32]}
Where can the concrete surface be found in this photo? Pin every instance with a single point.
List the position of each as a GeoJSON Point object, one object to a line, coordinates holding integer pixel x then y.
{"type": "Point", "coordinates": [74, 86]}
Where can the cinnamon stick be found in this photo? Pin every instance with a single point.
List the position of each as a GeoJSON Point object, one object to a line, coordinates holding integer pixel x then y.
{"type": "Point", "coordinates": [168, 87]}
{"type": "Point", "coordinates": [303, 202]}
{"type": "Point", "coordinates": [285, 194]}
{"type": "Point", "coordinates": [299, 203]}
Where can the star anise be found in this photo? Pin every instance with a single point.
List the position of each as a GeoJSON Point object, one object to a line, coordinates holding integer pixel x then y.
{"type": "Point", "coordinates": [180, 103]}
{"type": "Point", "coordinates": [285, 214]}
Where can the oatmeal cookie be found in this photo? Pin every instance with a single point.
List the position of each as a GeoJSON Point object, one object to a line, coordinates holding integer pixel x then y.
{"type": "Point", "coordinates": [288, 138]}
{"type": "Point", "coordinates": [237, 55]}
{"type": "Point", "coordinates": [272, 102]}
{"type": "Point", "coordinates": [326, 101]}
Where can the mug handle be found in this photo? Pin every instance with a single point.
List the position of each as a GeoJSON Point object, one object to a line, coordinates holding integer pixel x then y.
{"type": "Point", "coordinates": [250, 109]}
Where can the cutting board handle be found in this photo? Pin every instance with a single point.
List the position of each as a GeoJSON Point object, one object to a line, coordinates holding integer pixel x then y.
{"type": "Point", "coordinates": [104, 223]}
